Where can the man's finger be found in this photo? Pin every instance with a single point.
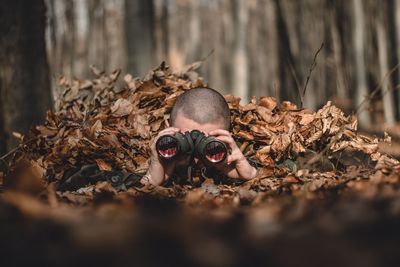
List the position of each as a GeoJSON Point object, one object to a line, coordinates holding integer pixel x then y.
{"type": "Point", "coordinates": [165, 133]}
{"type": "Point", "coordinates": [228, 140]}
{"type": "Point", "coordinates": [232, 158]}
{"type": "Point", "coordinates": [169, 130]}
{"type": "Point", "coordinates": [229, 159]}
{"type": "Point", "coordinates": [220, 132]}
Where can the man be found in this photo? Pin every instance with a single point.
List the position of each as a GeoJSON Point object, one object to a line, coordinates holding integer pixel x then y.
{"type": "Point", "coordinates": [206, 110]}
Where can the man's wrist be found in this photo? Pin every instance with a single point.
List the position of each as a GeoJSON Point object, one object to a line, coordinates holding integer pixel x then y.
{"type": "Point", "coordinates": [146, 179]}
{"type": "Point", "coordinates": [155, 161]}
{"type": "Point", "coordinates": [244, 164]}
{"type": "Point", "coordinates": [242, 160]}
{"type": "Point", "coordinates": [255, 172]}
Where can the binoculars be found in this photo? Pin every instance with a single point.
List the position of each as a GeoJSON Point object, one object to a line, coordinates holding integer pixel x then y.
{"type": "Point", "coordinates": [194, 144]}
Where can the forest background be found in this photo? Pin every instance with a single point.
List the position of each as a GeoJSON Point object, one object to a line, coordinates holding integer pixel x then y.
{"type": "Point", "coordinates": [307, 51]}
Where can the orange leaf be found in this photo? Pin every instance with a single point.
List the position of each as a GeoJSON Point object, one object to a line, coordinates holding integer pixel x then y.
{"type": "Point", "coordinates": [103, 165]}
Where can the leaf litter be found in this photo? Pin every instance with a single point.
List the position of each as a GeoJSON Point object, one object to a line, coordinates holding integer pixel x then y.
{"type": "Point", "coordinates": [93, 148]}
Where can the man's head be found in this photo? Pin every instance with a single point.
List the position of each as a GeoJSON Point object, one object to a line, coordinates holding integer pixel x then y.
{"type": "Point", "coordinates": [203, 109]}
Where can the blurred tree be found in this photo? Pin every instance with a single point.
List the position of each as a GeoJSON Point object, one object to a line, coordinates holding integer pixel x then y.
{"type": "Point", "coordinates": [240, 61]}
{"type": "Point", "coordinates": [359, 58]}
{"type": "Point", "coordinates": [139, 32]}
{"type": "Point", "coordinates": [81, 33]}
{"type": "Point", "coordinates": [24, 73]}
{"type": "Point", "coordinates": [396, 10]}
{"type": "Point", "coordinates": [383, 47]}
{"type": "Point", "coordinates": [260, 47]}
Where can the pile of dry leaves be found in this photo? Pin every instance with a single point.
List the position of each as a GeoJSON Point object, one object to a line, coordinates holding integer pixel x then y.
{"type": "Point", "coordinates": [102, 128]}
{"type": "Point", "coordinates": [94, 147]}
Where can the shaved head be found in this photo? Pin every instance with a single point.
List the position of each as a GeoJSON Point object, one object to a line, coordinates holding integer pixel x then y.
{"type": "Point", "coordinates": [202, 105]}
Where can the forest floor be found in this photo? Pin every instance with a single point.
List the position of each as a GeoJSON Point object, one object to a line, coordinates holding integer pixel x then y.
{"type": "Point", "coordinates": [326, 195]}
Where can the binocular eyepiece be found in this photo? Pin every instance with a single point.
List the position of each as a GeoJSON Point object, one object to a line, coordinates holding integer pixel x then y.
{"type": "Point", "coordinates": [194, 143]}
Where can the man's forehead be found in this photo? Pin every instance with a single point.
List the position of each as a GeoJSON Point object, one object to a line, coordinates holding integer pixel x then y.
{"type": "Point", "coordinates": [186, 124]}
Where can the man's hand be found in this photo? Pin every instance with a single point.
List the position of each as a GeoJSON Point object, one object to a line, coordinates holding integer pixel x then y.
{"type": "Point", "coordinates": [167, 131]}
{"type": "Point", "coordinates": [236, 165]}
{"type": "Point", "coordinates": [158, 172]}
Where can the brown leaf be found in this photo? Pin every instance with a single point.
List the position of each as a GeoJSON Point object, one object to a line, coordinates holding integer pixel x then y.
{"type": "Point", "coordinates": [121, 107]}
{"type": "Point", "coordinates": [103, 165]}
{"type": "Point", "coordinates": [26, 176]}
{"type": "Point", "coordinates": [233, 101]}
{"type": "Point", "coordinates": [306, 119]}
{"type": "Point", "coordinates": [286, 105]}
{"type": "Point", "coordinates": [96, 129]}
{"type": "Point", "coordinates": [249, 106]}
{"type": "Point", "coordinates": [265, 114]}
{"type": "Point", "coordinates": [268, 102]}
{"type": "Point", "coordinates": [245, 135]}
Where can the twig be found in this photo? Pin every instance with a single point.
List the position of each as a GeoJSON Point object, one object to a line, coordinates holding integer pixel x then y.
{"type": "Point", "coordinates": [293, 71]}
{"type": "Point", "coordinates": [17, 148]}
{"type": "Point", "coordinates": [276, 91]}
{"type": "Point", "coordinates": [370, 96]}
{"type": "Point", "coordinates": [208, 55]}
{"type": "Point", "coordinates": [312, 67]}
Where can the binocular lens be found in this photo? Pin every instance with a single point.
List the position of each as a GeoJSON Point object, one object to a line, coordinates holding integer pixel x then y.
{"type": "Point", "coordinates": [167, 146]}
{"type": "Point", "coordinates": [215, 152]}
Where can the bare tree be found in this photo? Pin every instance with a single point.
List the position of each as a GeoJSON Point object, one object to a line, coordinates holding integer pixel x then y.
{"type": "Point", "coordinates": [24, 82]}
{"type": "Point", "coordinates": [360, 70]}
{"type": "Point", "coordinates": [82, 44]}
{"type": "Point", "coordinates": [341, 88]}
{"type": "Point", "coordinates": [310, 37]}
{"type": "Point", "coordinates": [139, 30]}
{"type": "Point", "coordinates": [240, 69]}
{"type": "Point", "coordinates": [262, 48]}
{"type": "Point", "coordinates": [387, 93]}
{"type": "Point", "coordinates": [397, 27]}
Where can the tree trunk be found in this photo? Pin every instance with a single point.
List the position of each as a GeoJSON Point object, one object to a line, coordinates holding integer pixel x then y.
{"type": "Point", "coordinates": [161, 33]}
{"type": "Point", "coordinates": [24, 73]}
{"type": "Point", "coordinates": [114, 35]}
{"type": "Point", "coordinates": [311, 36]}
{"type": "Point", "coordinates": [360, 69]}
{"type": "Point", "coordinates": [397, 33]}
{"type": "Point", "coordinates": [240, 68]}
{"type": "Point", "coordinates": [81, 23]}
{"type": "Point", "coordinates": [289, 75]}
{"type": "Point", "coordinates": [387, 93]}
{"type": "Point", "coordinates": [262, 47]}
{"type": "Point", "coordinates": [139, 27]}
{"type": "Point", "coordinates": [341, 88]}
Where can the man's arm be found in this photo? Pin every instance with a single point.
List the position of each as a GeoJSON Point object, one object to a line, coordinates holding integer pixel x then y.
{"type": "Point", "coordinates": [159, 171]}
{"type": "Point", "coordinates": [236, 165]}
{"type": "Point", "coordinates": [241, 169]}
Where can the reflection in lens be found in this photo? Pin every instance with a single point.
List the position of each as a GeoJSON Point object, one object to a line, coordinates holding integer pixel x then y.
{"type": "Point", "coordinates": [215, 152]}
{"type": "Point", "coordinates": [167, 146]}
